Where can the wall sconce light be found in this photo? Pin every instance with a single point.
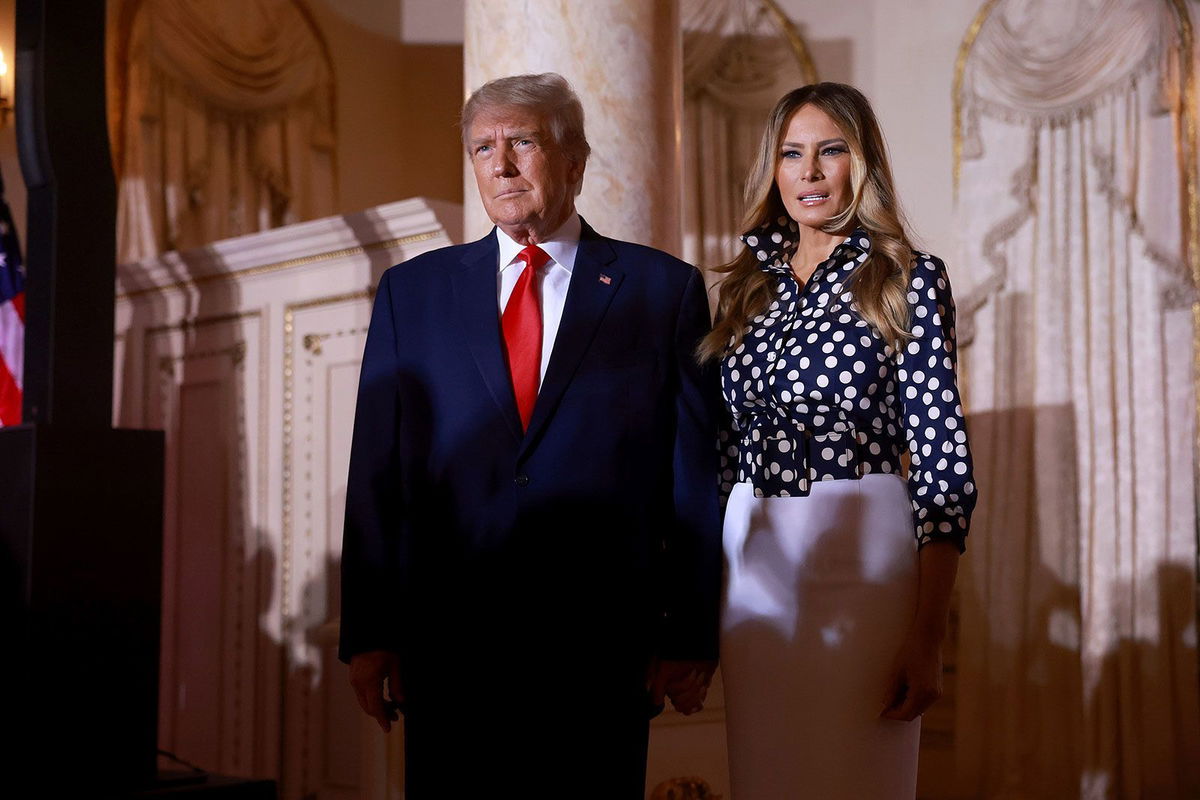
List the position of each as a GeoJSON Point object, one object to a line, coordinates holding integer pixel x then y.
{"type": "Point", "coordinates": [6, 100]}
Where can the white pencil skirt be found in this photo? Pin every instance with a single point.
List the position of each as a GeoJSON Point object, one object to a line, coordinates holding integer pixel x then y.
{"type": "Point", "coordinates": [819, 593]}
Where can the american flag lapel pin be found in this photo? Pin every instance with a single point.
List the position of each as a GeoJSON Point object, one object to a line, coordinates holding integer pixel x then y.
{"type": "Point", "coordinates": [606, 280]}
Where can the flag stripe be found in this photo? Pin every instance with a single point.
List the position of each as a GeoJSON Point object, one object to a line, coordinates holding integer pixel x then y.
{"type": "Point", "coordinates": [12, 342]}
{"type": "Point", "coordinates": [12, 281]}
{"type": "Point", "coordinates": [12, 318]}
{"type": "Point", "coordinates": [10, 397]}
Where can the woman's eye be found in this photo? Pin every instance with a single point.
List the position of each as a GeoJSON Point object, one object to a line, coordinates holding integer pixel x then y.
{"type": "Point", "coordinates": [791, 154]}
{"type": "Point", "coordinates": [833, 151]}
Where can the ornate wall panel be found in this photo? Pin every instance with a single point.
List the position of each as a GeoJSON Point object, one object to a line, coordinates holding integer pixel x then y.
{"type": "Point", "coordinates": [246, 353]}
{"type": "Point", "coordinates": [205, 390]}
{"type": "Point", "coordinates": [323, 344]}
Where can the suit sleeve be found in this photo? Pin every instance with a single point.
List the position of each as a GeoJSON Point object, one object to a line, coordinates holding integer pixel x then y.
{"type": "Point", "coordinates": [693, 542]}
{"type": "Point", "coordinates": [370, 563]}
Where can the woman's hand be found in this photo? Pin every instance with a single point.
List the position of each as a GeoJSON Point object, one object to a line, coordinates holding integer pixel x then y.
{"type": "Point", "coordinates": [915, 682]}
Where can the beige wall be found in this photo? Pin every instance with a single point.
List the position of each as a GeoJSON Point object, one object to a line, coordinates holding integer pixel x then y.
{"type": "Point", "coordinates": [902, 56]}
{"type": "Point", "coordinates": [397, 106]}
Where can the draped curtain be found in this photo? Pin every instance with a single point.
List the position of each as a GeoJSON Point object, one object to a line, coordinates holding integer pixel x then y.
{"type": "Point", "coordinates": [226, 123]}
{"type": "Point", "coordinates": [1077, 667]}
{"type": "Point", "coordinates": [738, 60]}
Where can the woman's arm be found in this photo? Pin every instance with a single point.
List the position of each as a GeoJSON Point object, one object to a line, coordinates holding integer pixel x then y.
{"type": "Point", "coordinates": [941, 483]}
{"type": "Point", "coordinates": [916, 678]}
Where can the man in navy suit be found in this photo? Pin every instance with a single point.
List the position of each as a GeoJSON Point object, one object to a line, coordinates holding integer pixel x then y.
{"type": "Point", "coordinates": [532, 545]}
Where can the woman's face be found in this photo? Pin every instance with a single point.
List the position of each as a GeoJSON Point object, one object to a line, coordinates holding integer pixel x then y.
{"type": "Point", "coordinates": [813, 174]}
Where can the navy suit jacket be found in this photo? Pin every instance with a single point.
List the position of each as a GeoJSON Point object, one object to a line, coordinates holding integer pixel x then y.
{"type": "Point", "coordinates": [596, 529]}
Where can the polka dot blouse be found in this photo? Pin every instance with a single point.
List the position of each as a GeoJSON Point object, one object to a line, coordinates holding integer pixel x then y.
{"type": "Point", "coordinates": [816, 394]}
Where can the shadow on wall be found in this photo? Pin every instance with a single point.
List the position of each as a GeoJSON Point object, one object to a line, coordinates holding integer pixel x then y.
{"type": "Point", "coordinates": [244, 681]}
{"type": "Point", "coordinates": [1020, 692]}
{"type": "Point", "coordinates": [1122, 765]}
{"type": "Point", "coordinates": [300, 715]}
{"type": "Point", "coordinates": [1019, 686]}
{"type": "Point", "coordinates": [191, 375]}
{"type": "Point", "coordinates": [1044, 712]}
{"type": "Point", "coordinates": [329, 743]}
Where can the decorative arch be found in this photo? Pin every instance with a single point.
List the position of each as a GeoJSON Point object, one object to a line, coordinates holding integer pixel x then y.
{"type": "Point", "coordinates": [739, 58]}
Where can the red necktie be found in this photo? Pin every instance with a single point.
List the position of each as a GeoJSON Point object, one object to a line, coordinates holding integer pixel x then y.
{"type": "Point", "coordinates": [522, 324]}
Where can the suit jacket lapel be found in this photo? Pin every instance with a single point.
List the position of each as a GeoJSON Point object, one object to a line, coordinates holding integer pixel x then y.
{"type": "Point", "coordinates": [594, 283]}
{"type": "Point", "coordinates": [474, 282]}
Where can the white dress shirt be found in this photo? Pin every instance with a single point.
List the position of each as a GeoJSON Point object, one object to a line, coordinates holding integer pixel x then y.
{"type": "Point", "coordinates": [553, 279]}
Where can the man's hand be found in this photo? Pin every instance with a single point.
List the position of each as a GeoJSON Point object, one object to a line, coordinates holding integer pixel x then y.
{"type": "Point", "coordinates": [367, 673]}
{"type": "Point", "coordinates": [685, 682]}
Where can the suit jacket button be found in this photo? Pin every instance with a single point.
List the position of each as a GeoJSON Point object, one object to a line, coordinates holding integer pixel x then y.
{"type": "Point", "coordinates": [522, 480]}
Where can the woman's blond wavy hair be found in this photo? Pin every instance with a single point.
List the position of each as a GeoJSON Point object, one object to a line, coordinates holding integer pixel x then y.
{"type": "Point", "coordinates": [881, 282]}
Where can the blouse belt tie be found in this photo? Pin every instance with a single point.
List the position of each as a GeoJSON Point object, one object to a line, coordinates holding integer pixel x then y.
{"type": "Point", "coordinates": [788, 455]}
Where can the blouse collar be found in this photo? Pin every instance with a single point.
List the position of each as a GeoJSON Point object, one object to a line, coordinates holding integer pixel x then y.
{"type": "Point", "coordinates": [774, 244]}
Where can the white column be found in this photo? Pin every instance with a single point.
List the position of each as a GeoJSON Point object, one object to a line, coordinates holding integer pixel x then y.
{"type": "Point", "coordinates": [623, 59]}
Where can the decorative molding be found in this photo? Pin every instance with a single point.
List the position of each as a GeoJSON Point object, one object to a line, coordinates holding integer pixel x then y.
{"type": "Point", "coordinates": [960, 68]}
{"type": "Point", "coordinates": [312, 342]}
{"type": "Point", "coordinates": [236, 352]}
{"type": "Point", "coordinates": [299, 556]}
{"type": "Point", "coordinates": [391, 226]}
{"type": "Point", "coordinates": [193, 324]}
{"type": "Point", "coordinates": [168, 346]}
{"type": "Point", "coordinates": [345, 252]}
{"type": "Point", "coordinates": [790, 32]}
{"type": "Point", "coordinates": [289, 410]}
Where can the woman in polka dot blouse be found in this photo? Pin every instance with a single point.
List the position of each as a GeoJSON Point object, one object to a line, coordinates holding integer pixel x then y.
{"type": "Point", "coordinates": [836, 344]}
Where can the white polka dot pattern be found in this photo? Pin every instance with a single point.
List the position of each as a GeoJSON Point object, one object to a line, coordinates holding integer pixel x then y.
{"type": "Point", "coordinates": [816, 394]}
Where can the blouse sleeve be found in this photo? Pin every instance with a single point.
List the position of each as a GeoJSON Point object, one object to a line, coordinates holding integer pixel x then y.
{"type": "Point", "coordinates": [940, 482]}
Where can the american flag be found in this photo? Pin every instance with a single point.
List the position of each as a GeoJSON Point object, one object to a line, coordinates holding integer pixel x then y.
{"type": "Point", "coordinates": [12, 318]}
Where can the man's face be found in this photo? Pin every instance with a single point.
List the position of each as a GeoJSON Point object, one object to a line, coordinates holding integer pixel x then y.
{"type": "Point", "coordinates": [526, 182]}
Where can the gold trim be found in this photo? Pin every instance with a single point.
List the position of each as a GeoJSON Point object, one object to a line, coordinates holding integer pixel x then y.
{"type": "Point", "coordinates": [236, 352]}
{"type": "Point", "coordinates": [191, 283]}
{"type": "Point", "coordinates": [285, 544]}
{"type": "Point", "coordinates": [960, 68]}
{"type": "Point", "coordinates": [150, 333]}
{"type": "Point", "coordinates": [312, 342]}
{"type": "Point", "coordinates": [790, 32]}
{"type": "Point", "coordinates": [192, 324]}
{"type": "Point", "coordinates": [345, 297]}
{"type": "Point", "coordinates": [1189, 111]}
{"type": "Point", "coordinates": [1187, 123]}
{"type": "Point", "coordinates": [289, 408]}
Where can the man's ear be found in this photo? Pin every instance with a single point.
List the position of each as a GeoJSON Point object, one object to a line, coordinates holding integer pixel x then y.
{"type": "Point", "coordinates": [575, 171]}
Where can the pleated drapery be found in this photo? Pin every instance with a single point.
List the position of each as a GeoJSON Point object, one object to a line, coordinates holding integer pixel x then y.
{"type": "Point", "coordinates": [1077, 667]}
{"type": "Point", "coordinates": [226, 123]}
{"type": "Point", "coordinates": [737, 62]}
